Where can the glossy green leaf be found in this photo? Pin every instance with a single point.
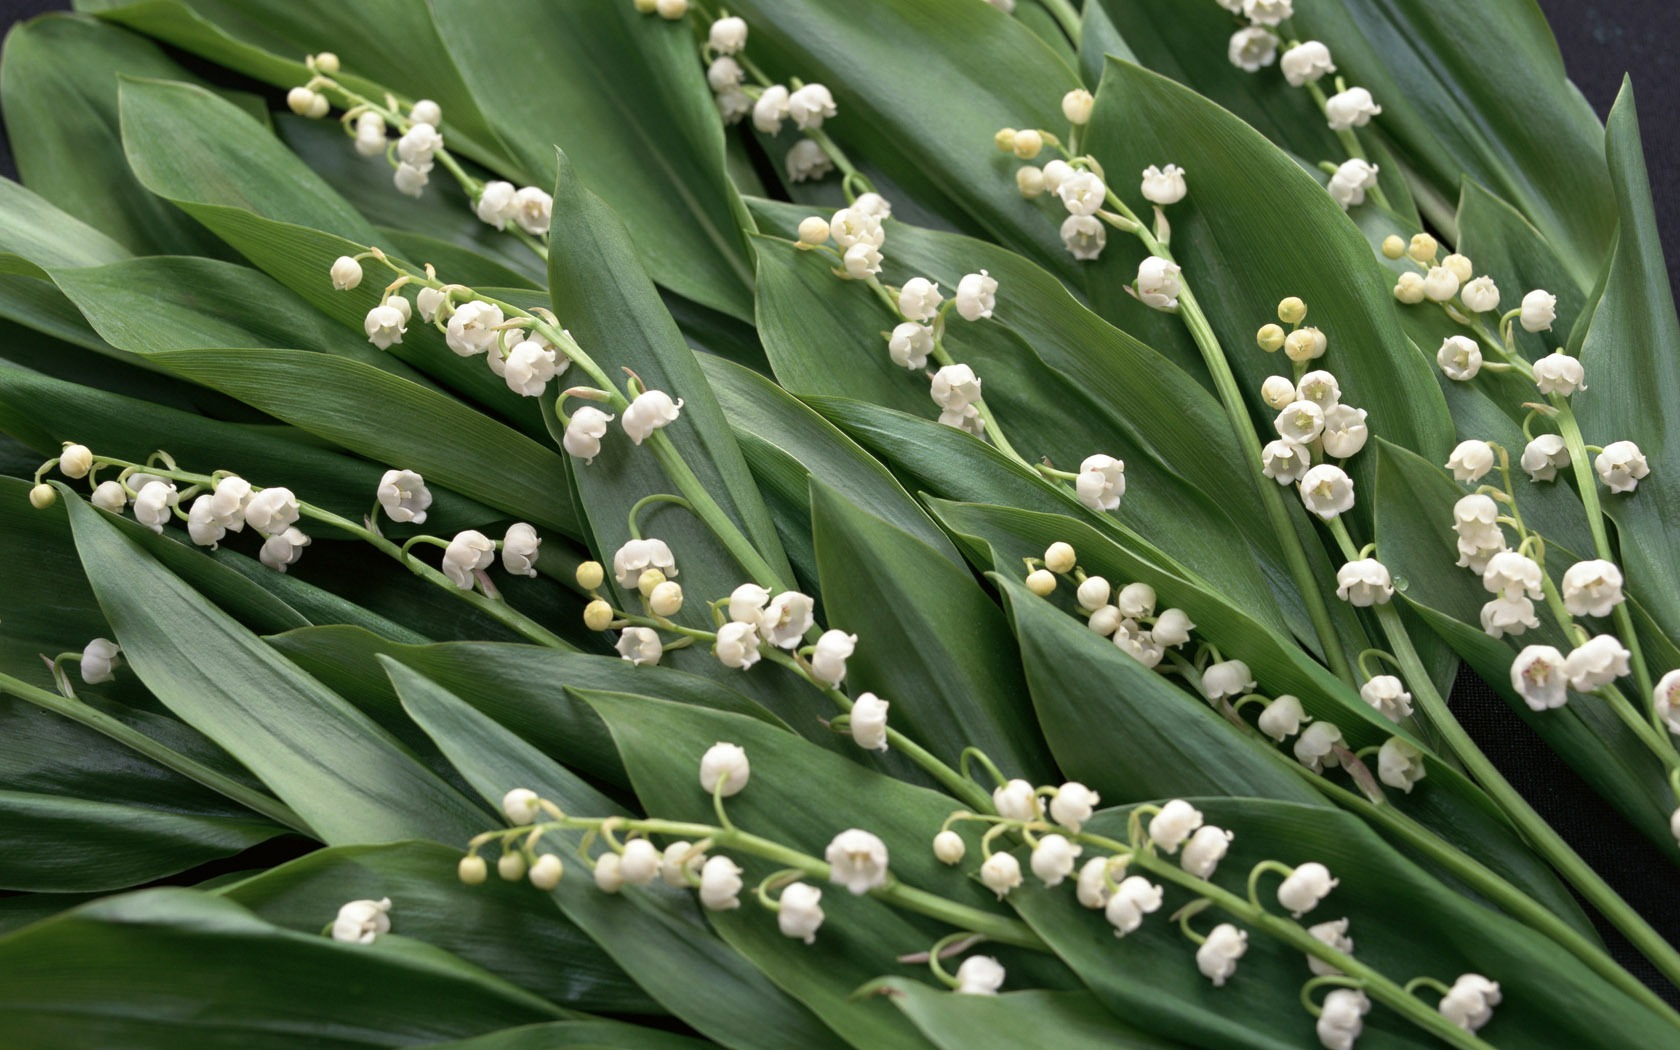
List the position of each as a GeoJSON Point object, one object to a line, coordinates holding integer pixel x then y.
{"type": "Point", "coordinates": [384, 45]}
{"type": "Point", "coordinates": [500, 926]}
{"type": "Point", "coordinates": [928, 638]}
{"type": "Point", "coordinates": [874, 55]}
{"type": "Point", "coordinates": [1634, 379]}
{"type": "Point", "coordinates": [1076, 1020]}
{"type": "Point", "coordinates": [347, 779]}
{"type": "Point", "coordinates": [787, 444]}
{"type": "Point", "coordinates": [59, 79]}
{"type": "Point", "coordinates": [658, 937]}
{"type": "Point", "coordinates": [624, 94]}
{"type": "Point", "coordinates": [861, 936]}
{"type": "Point", "coordinates": [591, 1034]}
{"type": "Point", "coordinates": [58, 843]}
{"type": "Point", "coordinates": [37, 230]}
{"type": "Point", "coordinates": [143, 955]}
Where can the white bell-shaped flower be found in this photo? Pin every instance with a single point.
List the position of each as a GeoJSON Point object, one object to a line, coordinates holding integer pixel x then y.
{"type": "Point", "coordinates": [737, 645]}
{"type": "Point", "coordinates": [720, 884]}
{"type": "Point", "coordinates": [1592, 588]}
{"type": "Point", "coordinates": [1172, 629]}
{"type": "Point", "coordinates": [153, 502]}
{"type": "Point", "coordinates": [495, 203]}
{"type": "Point", "coordinates": [1399, 764]}
{"type": "Point", "coordinates": [1351, 181]}
{"type": "Point", "coordinates": [640, 862]}
{"type": "Point", "coordinates": [1345, 432]}
{"type": "Point", "coordinates": [520, 547]}
{"type": "Point", "coordinates": [1267, 12]}
{"type": "Point", "coordinates": [1205, 849]}
{"type": "Point", "coordinates": [1326, 491]}
{"type": "Point", "coordinates": [99, 660]}
{"type": "Point", "coordinates": [828, 659]}
{"type": "Point", "coordinates": [1158, 283]}
{"type": "Point", "coordinates": [1001, 873]}
{"type": "Point", "coordinates": [360, 922]}
{"type": "Point", "coordinates": [1134, 898]}
{"type": "Point", "coordinates": [1621, 466]}
{"type": "Point", "coordinates": [468, 552]}
{"type": "Point", "coordinates": [1072, 805]}
{"type": "Point", "coordinates": [726, 764]}
{"type": "Point", "coordinates": [1342, 1018]}
{"type": "Point", "coordinates": [1512, 574]}
{"type": "Point", "coordinates": [1539, 310]}
{"type": "Point", "coordinates": [1283, 718]}
{"type": "Point", "coordinates": [1479, 295]}
{"type": "Point", "coordinates": [1082, 193]}
{"type": "Point", "coordinates": [346, 273]}
{"type": "Point", "coordinates": [473, 327]}
{"type": "Point", "coordinates": [283, 548]}
{"type": "Point", "coordinates": [786, 619]}
{"type": "Point", "coordinates": [799, 914]}
{"type": "Point", "coordinates": [1539, 676]}
{"type": "Point", "coordinates": [1440, 284]}
{"type": "Point", "coordinates": [1560, 374]}
{"type": "Point", "coordinates": [1077, 105]}
{"type": "Point", "coordinates": [529, 367]}
{"type": "Point", "coordinates": [1665, 700]}
{"type": "Point", "coordinates": [1305, 887]}
{"type": "Point", "coordinates": [869, 722]}
{"type": "Point", "coordinates": [1252, 49]}
{"type": "Point", "coordinates": [403, 496]}
{"type": "Point", "coordinates": [1460, 357]}
{"type": "Point", "coordinates": [109, 496]}
{"type": "Point", "coordinates": [1543, 457]}
{"type": "Point", "coordinates": [1316, 747]}
{"type": "Point", "coordinates": [955, 387]}
{"type": "Point", "coordinates": [1364, 583]}
{"type": "Point", "coordinates": [1352, 108]}
{"type": "Point", "coordinates": [1509, 615]}
{"type": "Point", "coordinates": [202, 526]}
{"type": "Point", "coordinates": [979, 975]}
{"type": "Point", "coordinates": [1053, 859]}
{"type": "Point", "coordinates": [1173, 824]}
{"type": "Point", "coordinates": [584, 432]}
{"type": "Point", "coordinates": [977, 296]}
{"type": "Point", "coordinates": [919, 299]}
{"type": "Point", "coordinates": [370, 134]}
{"type": "Point", "coordinates": [857, 861]}
{"type": "Point", "coordinates": [1016, 800]}
{"type": "Point", "coordinates": [1305, 63]}
{"type": "Point", "coordinates": [1387, 694]}
{"type": "Point", "coordinates": [640, 645]}
{"type": "Point", "coordinates": [909, 345]}
{"type": "Point", "coordinates": [1470, 1001]}
{"type": "Point", "coordinates": [650, 411]}
{"type": "Point", "coordinates": [728, 36]}
{"type": "Point", "coordinates": [1163, 185]}
{"type": "Point", "coordinates": [1227, 678]}
{"type": "Point", "coordinates": [810, 106]}
{"type": "Point", "coordinates": [1101, 482]}
{"type": "Point", "coordinates": [533, 209]}
{"type": "Point", "coordinates": [1217, 956]}
{"type": "Point", "coordinates": [1596, 663]}
{"type": "Point", "coordinates": [1300, 422]}
{"type": "Point", "coordinates": [1092, 887]}
{"type": "Point", "coordinates": [272, 510]}
{"type": "Point", "coordinates": [1470, 460]}
{"type": "Point", "coordinates": [1084, 236]}
{"type": "Point", "coordinates": [1285, 461]}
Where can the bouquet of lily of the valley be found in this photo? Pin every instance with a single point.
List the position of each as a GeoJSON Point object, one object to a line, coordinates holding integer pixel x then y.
{"type": "Point", "coordinates": [904, 523]}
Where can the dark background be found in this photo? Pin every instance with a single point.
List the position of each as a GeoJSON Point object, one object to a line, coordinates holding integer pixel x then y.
{"type": "Point", "coordinates": [1600, 40]}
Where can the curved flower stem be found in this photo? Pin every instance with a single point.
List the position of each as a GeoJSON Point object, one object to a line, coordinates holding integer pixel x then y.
{"type": "Point", "coordinates": [1067, 16]}
{"type": "Point", "coordinates": [80, 712]}
{"type": "Point", "coordinates": [1349, 141]}
{"type": "Point", "coordinates": [994, 927]}
{"type": "Point", "coordinates": [1547, 842]}
{"type": "Point", "coordinates": [1230, 395]}
{"type": "Point", "coordinates": [1381, 988]}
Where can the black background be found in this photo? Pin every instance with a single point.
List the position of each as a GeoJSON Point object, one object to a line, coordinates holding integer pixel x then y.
{"type": "Point", "coordinates": [1600, 40]}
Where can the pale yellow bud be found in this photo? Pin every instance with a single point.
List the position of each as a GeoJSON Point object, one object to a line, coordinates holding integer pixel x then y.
{"type": "Point", "coordinates": [1041, 582]}
{"type": "Point", "coordinates": [813, 230]}
{"type": "Point", "coordinates": [1409, 288]}
{"type": "Point", "coordinates": [666, 599]}
{"type": "Point", "coordinates": [1393, 247]}
{"type": "Point", "coordinates": [647, 7]}
{"type": "Point", "coordinates": [671, 9]}
{"type": "Point", "coordinates": [546, 872]}
{"type": "Point", "coordinates": [472, 870]}
{"type": "Point", "coordinates": [1004, 140]}
{"type": "Point", "coordinates": [597, 615]}
{"type": "Point", "coordinates": [648, 580]}
{"type": "Point", "coordinates": [1028, 143]}
{"type": "Point", "coordinates": [42, 496]}
{"type": "Point", "coordinates": [1461, 267]}
{"type": "Point", "coordinates": [1029, 179]}
{"type": "Point", "coordinates": [1292, 310]}
{"type": "Point", "coordinates": [1060, 557]}
{"type": "Point", "coordinates": [1423, 248]}
{"type": "Point", "coordinates": [511, 866]}
{"type": "Point", "coordinates": [1305, 344]}
{"type": "Point", "coordinates": [326, 62]}
{"type": "Point", "coordinates": [590, 574]}
{"type": "Point", "coordinates": [1270, 338]}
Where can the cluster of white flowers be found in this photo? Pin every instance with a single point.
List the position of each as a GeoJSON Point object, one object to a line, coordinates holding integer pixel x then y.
{"type": "Point", "coordinates": [771, 105]}
{"type": "Point", "coordinates": [471, 552]}
{"type": "Point", "coordinates": [531, 208]}
{"type": "Point", "coordinates": [1542, 675]}
{"type": "Point", "coordinates": [858, 236]}
{"type": "Point", "coordinates": [1126, 615]}
{"type": "Point", "coordinates": [1313, 421]}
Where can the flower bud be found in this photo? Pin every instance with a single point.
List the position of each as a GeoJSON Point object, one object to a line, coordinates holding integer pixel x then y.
{"type": "Point", "coordinates": [597, 615]}
{"type": "Point", "coordinates": [1027, 144]}
{"type": "Point", "coordinates": [1029, 179]}
{"type": "Point", "coordinates": [813, 230]}
{"type": "Point", "coordinates": [1423, 248]}
{"type": "Point", "coordinates": [590, 575]}
{"type": "Point", "coordinates": [1093, 593]}
{"type": "Point", "coordinates": [609, 873]}
{"type": "Point", "coordinates": [724, 764]}
{"type": "Point", "coordinates": [511, 866]}
{"type": "Point", "coordinates": [1277, 391]}
{"type": "Point", "coordinates": [346, 273]}
{"type": "Point", "coordinates": [1060, 557]}
{"type": "Point", "coordinates": [671, 10]}
{"type": "Point", "coordinates": [472, 870]}
{"type": "Point", "coordinates": [647, 580]}
{"type": "Point", "coordinates": [1539, 310]}
{"type": "Point", "coordinates": [1305, 344]}
{"type": "Point", "coordinates": [1004, 140]}
{"type": "Point", "coordinates": [301, 100]}
{"type": "Point", "coordinates": [1461, 267]}
{"type": "Point", "coordinates": [520, 806]}
{"type": "Point", "coordinates": [1270, 338]}
{"type": "Point", "coordinates": [545, 873]}
{"type": "Point", "coordinates": [639, 863]}
{"type": "Point", "coordinates": [1076, 106]}
{"type": "Point", "coordinates": [1409, 288]}
{"type": "Point", "coordinates": [1292, 310]}
{"type": "Point", "coordinates": [42, 496]}
{"type": "Point", "coordinates": [949, 847]}
{"type": "Point", "coordinates": [1393, 247]}
{"type": "Point", "coordinates": [1040, 581]}
{"type": "Point", "coordinates": [666, 599]}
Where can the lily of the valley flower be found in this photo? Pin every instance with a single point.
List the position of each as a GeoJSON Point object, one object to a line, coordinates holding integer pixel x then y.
{"type": "Point", "coordinates": [737, 645]}
{"type": "Point", "coordinates": [1077, 105]}
{"type": "Point", "coordinates": [1345, 432]}
{"type": "Point", "coordinates": [1621, 466]}
{"type": "Point", "coordinates": [272, 510]}
{"type": "Point", "coordinates": [1440, 284]}
{"type": "Point", "coordinates": [469, 552]}
{"type": "Point", "coordinates": [202, 526]}
{"type": "Point", "coordinates": [786, 619]}
{"type": "Point", "coordinates": [650, 411]}
{"type": "Point", "coordinates": [403, 496]}
{"type": "Point", "coordinates": [1053, 859]}
{"type": "Point", "coordinates": [152, 503]}
{"type": "Point", "coordinates": [1543, 457]}
{"type": "Point", "coordinates": [909, 345]}
{"type": "Point", "coordinates": [810, 106]}
{"type": "Point", "coordinates": [1315, 748]}
{"type": "Point", "coordinates": [1204, 851]}
{"type": "Point", "coordinates": [1163, 186]}
{"type": "Point", "coordinates": [799, 913]}
{"type": "Point", "coordinates": [1511, 574]}
{"type": "Point", "coordinates": [1335, 934]}
{"type": "Point", "coordinates": [1558, 373]}
{"type": "Point", "coordinates": [771, 109]}
{"type": "Point", "coordinates": [725, 764]}
{"type": "Point", "coordinates": [919, 299]}
{"type": "Point", "coordinates": [1283, 718]}
{"type": "Point", "coordinates": [1352, 178]}
{"type": "Point", "coordinates": [520, 548]}
{"type": "Point", "coordinates": [1305, 887]}
{"type": "Point", "coordinates": [1399, 764]}
{"type": "Point", "coordinates": [1300, 422]}
{"type": "Point", "coordinates": [346, 273]}
{"type": "Point", "coordinates": [1509, 615]}
{"type": "Point", "coordinates": [1592, 588]}
{"type": "Point", "coordinates": [1326, 491]}
{"type": "Point", "coordinates": [857, 860]}
{"type": "Point", "coordinates": [1352, 108]}
{"type": "Point", "coordinates": [1278, 392]}
{"type": "Point", "coordinates": [99, 660]}
{"type": "Point", "coordinates": [1539, 310]}
{"type": "Point", "coordinates": [1460, 357]}
{"type": "Point", "coordinates": [1388, 695]}
{"type": "Point", "coordinates": [584, 432]}
{"type": "Point", "coordinates": [1305, 63]}
{"type": "Point", "coordinates": [1001, 873]}
{"type": "Point", "coordinates": [1538, 675]}
{"type": "Point", "coordinates": [1101, 482]}
{"type": "Point", "coordinates": [1479, 295]}
{"type": "Point", "coordinates": [473, 327]}
{"type": "Point", "coordinates": [1342, 1018]}
{"type": "Point", "coordinates": [1596, 663]}
{"type": "Point", "coordinates": [283, 548]}
{"type": "Point", "coordinates": [495, 203]}
{"type": "Point", "coordinates": [1665, 700]}
{"type": "Point", "coordinates": [1084, 236]}
{"type": "Point", "coordinates": [955, 387]}
{"type": "Point", "coordinates": [1470, 460]}
{"type": "Point", "coordinates": [1217, 956]}
{"type": "Point", "coordinates": [1016, 800]}
{"type": "Point", "coordinates": [1072, 805]}
{"type": "Point", "coordinates": [869, 722]}
{"type": "Point", "coordinates": [720, 884]}
{"type": "Point", "coordinates": [360, 922]}
{"type": "Point", "coordinates": [1158, 283]}
{"type": "Point", "coordinates": [1470, 1001]}
{"type": "Point", "coordinates": [1173, 824]}
{"type": "Point", "coordinates": [1285, 461]}
{"type": "Point", "coordinates": [1227, 678]}
{"type": "Point", "coordinates": [728, 36]}
{"type": "Point", "coordinates": [1252, 49]}
{"type": "Point", "coordinates": [1364, 583]}
{"type": "Point", "coordinates": [977, 296]}
{"type": "Point", "coordinates": [979, 975]}
{"type": "Point", "coordinates": [807, 160]}
{"type": "Point", "coordinates": [828, 660]}
{"type": "Point", "coordinates": [1134, 898]}
{"type": "Point", "coordinates": [949, 847]}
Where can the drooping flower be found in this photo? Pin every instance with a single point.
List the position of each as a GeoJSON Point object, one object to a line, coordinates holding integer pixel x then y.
{"type": "Point", "coordinates": [1352, 108]}
{"type": "Point", "coordinates": [1252, 49]}
{"type": "Point", "coordinates": [1001, 873]}
{"type": "Point", "coordinates": [1364, 583]}
{"type": "Point", "coordinates": [1470, 460]}
{"type": "Point", "coordinates": [828, 659]}
{"type": "Point", "coordinates": [1163, 185]}
{"type": "Point", "coordinates": [1538, 675]}
{"type": "Point", "coordinates": [786, 619]}
{"type": "Point", "coordinates": [404, 496]}
{"type": "Point", "coordinates": [584, 432]}
{"type": "Point", "coordinates": [1342, 1018]}
{"type": "Point", "coordinates": [1016, 800]}
{"type": "Point", "coordinates": [1084, 236]}
{"type": "Point", "coordinates": [955, 387]}
{"type": "Point", "coordinates": [346, 273]}
{"type": "Point", "coordinates": [1306, 62]}
{"type": "Point", "coordinates": [1351, 181]}
{"type": "Point", "coordinates": [976, 296]}
{"type": "Point", "coordinates": [1158, 283]}
{"type": "Point", "coordinates": [1285, 461]}
{"type": "Point", "coordinates": [1101, 482]}
{"type": "Point", "coordinates": [640, 645]}
{"type": "Point", "coordinates": [1621, 466]}
{"type": "Point", "coordinates": [1053, 859]}
{"type": "Point", "coordinates": [810, 106]}
{"type": "Point", "coordinates": [1544, 457]}
{"type": "Point", "coordinates": [1539, 310]}
{"type": "Point", "coordinates": [919, 299]}
{"type": "Point", "coordinates": [1134, 898]}
{"type": "Point", "coordinates": [1470, 1001]}
{"type": "Point", "coordinates": [468, 552]}
{"type": "Point", "coordinates": [737, 645]}
{"type": "Point", "coordinates": [1283, 718]}
{"type": "Point", "coordinates": [473, 327]}
{"type": "Point", "coordinates": [869, 722]}
{"type": "Point", "coordinates": [807, 160]}
{"type": "Point", "coordinates": [1206, 848]}
{"type": "Point", "coordinates": [1333, 933]}
{"type": "Point", "coordinates": [520, 548]}
{"type": "Point", "coordinates": [201, 523]}
{"type": "Point", "coordinates": [1077, 105]}
{"type": "Point", "coordinates": [979, 975]}
{"type": "Point", "coordinates": [1387, 694]}
{"type": "Point", "coordinates": [1305, 887]}
{"type": "Point", "coordinates": [1217, 957]}
{"type": "Point", "coordinates": [1560, 374]}
{"type": "Point", "coordinates": [857, 860]}
{"type": "Point", "coordinates": [1460, 357]}
{"type": "Point", "coordinates": [1227, 678]}
{"type": "Point", "coordinates": [651, 410]}
{"type": "Point", "coordinates": [909, 345]}
{"type": "Point", "coordinates": [1592, 588]}
{"type": "Point", "coordinates": [1072, 805]}
{"type": "Point", "coordinates": [1596, 663]}
{"type": "Point", "coordinates": [771, 109]}
{"type": "Point", "coordinates": [724, 764]}
{"type": "Point", "coordinates": [1173, 824]}
{"type": "Point", "coordinates": [153, 502]}
{"type": "Point", "coordinates": [360, 922]}
{"type": "Point", "coordinates": [272, 510]}
{"type": "Point", "coordinates": [1326, 491]}
{"type": "Point", "coordinates": [800, 913]}
{"type": "Point", "coordinates": [100, 659]}
{"type": "Point", "coordinates": [1508, 615]}
{"type": "Point", "coordinates": [1316, 747]}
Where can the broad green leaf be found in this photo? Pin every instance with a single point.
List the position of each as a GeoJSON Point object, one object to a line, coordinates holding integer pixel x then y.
{"type": "Point", "coordinates": [59, 843]}
{"type": "Point", "coordinates": [35, 229]}
{"type": "Point", "coordinates": [874, 55]}
{"type": "Point", "coordinates": [500, 926]}
{"type": "Point", "coordinates": [591, 1034]}
{"type": "Point", "coordinates": [659, 937]}
{"type": "Point", "coordinates": [521, 687]}
{"type": "Point", "coordinates": [1075, 1020]}
{"type": "Point", "coordinates": [1414, 506]}
{"type": "Point", "coordinates": [787, 444]}
{"type": "Point", "coordinates": [625, 96]}
{"type": "Point", "coordinates": [1252, 205]}
{"type": "Point", "coordinates": [349, 781]}
{"type": "Point", "coordinates": [384, 45]}
{"type": "Point", "coordinates": [1634, 379]}
{"type": "Point", "coordinates": [143, 955]}
{"type": "Point", "coordinates": [231, 174]}
{"type": "Point", "coordinates": [392, 422]}
{"type": "Point", "coordinates": [1404, 922]}
{"type": "Point", "coordinates": [59, 80]}
{"type": "Point", "coordinates": [929, 639]}
{"type": "Point", "coordinates": [801, 797]}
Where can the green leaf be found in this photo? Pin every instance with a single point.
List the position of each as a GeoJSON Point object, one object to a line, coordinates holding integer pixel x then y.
{"type": "Point", "coordinates": [929, 639]}
{"type": "Point", "coordinates": [1076, 1020]}
{"type": "Point", "coordinates": [35, 229]}
{"type": "Point", "coordinates": [514, 685]}
{"type": "Point", "coordinates": [801, 797]}
{"type": "Point", "coordinates": [141, 955]}
{"type": "Point", "coordinates": [384, 45]}
{"type": "Point", "coordinates": [59, 79]}
{"type": "Point", "coordinates": [659, 937]}
{"type": "Point", "coordinates": [590, 1034]}
{"type": "Point", "coordinates": [624, 95]}
{"type": "Point", "coordinates": [392, 422]}
{"type": "Point", "coordinates": [787, 444]}
{"type": "Point", "coordinates": [874, 56]}
{"type": "Point", "coordinates": [347, 779]}
{"type": "Point", "coordinates": [63, 844]}
{"type": "Point", "coordinates": [500, 926]}
{"type": "Point", "coordinates": [1635, 379]}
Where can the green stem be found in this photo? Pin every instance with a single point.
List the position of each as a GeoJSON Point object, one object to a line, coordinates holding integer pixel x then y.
{"type": "Point", "coordinates": [1066, 16]}
{"type": "Point", "coordinates": [708, 510]}
{"type": "Point", "coordinates": [1380, 987]}
{"type": "Point", "coordinates": [79, 711]}
{"type": "Point", "coordinates": [1349, 141]}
